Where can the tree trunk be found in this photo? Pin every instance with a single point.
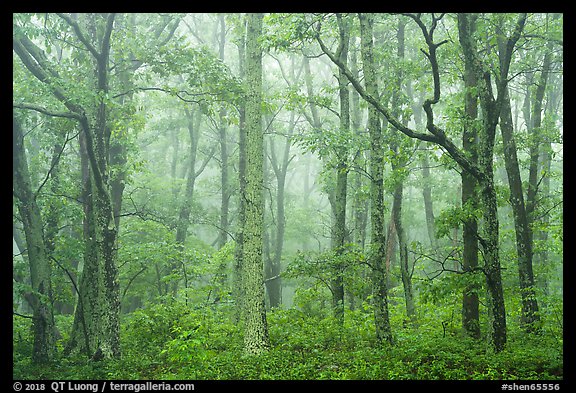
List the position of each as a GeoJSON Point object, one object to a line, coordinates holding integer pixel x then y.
{"type": "Point", "coordinates": [237, 286]}
{"type": "Point", "coordinates": [378, 241]}
{"type": "Point", "coordinates": [404, 266]}
{"type": "Point", "coordinates": [339, 228]}
{"type": "Point", "coordinates": [224, 182]}
{"type": "Point", "coordinates": [399, 162]}
{"type": "Point", "coordinates": [530, 319]}
{"type": "Point", "coordinates": [84, 334]}
{"type": "Point", "coordinates": [256, 340]}
{"type": "Point", "coordinates": [470, 300]}
{"type": "Point", "coordinates": [43, 349]}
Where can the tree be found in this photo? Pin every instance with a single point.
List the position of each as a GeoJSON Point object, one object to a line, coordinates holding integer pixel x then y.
{"type": "Point", "coordinates": [470, 301]}
{"type": "Point", "coordinates": [491, 108]}
{"type": "Point", "coordinates": [378, 239]}
{"type": "Point", "coordinates": [40, 298]}
{"type": "Point", "coordinates": [256, 340]}
{"type": "Point", "coordinates": [482, 172]}
{"type": "Point", "coordinates": [100, 256]}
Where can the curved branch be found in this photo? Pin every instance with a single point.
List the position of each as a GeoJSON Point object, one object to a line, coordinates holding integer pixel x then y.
{"type": "Point", "coordinates": [80, 35]}
{"type": "Point", "coordinates": [436, 135]}
{"type": "Point", "coordinates": [48, 112]}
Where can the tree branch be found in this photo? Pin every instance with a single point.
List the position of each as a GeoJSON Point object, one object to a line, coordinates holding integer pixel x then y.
{"type": "Point", "coordinates": [437, 135]}
{"type": "Point", "coordinates": [48, 112]}
{"type": "Point", "coordinates": [80, 35]}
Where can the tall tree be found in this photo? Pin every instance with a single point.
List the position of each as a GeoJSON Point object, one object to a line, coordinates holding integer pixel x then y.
{"type": "Point", "coordinates": [256, 340]}
{"type": "Point", "coordinates": [342, 168]}
{"type": "Point", "coordinates": [100, 255]}
{"type": "Point", "coordinates": [484, 170]}
{"type": "Point", "coordinates": [470, 300]}
{"type": "Point", "coordinates": [378, 236]}
{"type": "Point", "coordinates": [237, 287]}
{"type": "Point", "coordinates": [40, 298]}
{"type": "Point", "coordinates": [223, 137]}
{"type": "Point", "coordinates": [399, 162]}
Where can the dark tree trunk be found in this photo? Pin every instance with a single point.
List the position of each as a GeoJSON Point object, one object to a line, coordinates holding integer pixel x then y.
{"type": "Point", "coordinates": [470, 300]}
{"type": "Point", "coordinates": [530, 319]}
{"type": "Point", "coordinates": [339, 228]}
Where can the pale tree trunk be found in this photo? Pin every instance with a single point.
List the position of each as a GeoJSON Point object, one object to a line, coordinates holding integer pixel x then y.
{"type": "Point", "coordinates": [256, 340]}
{"type": "Point", "coordinates": [224, 182]}
{"type": "Point", "coordinates": [377, 253]}
{"type": "Point", "coordinates": [360, 202]}
{"type": "Point", "coordinates": [542, 236]}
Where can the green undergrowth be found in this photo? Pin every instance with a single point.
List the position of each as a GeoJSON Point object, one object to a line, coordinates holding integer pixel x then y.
{"type": "Point", "coordinates": [163, 342]}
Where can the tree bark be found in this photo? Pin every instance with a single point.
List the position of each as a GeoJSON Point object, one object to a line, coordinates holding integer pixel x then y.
{"type": "Point", "coordinates": [237, 287]}
{"type": "Point", "coordinates": [256, 340]}
{"type": "Point", "coordinates": [339, 227]}
{"type": "Point", "coordinates": [40, 299]}
{"type": "Point", "coordinates": [470, 300]}
{"type": "Point", "coordinates": [378, 240]}
{"type": "Point", "coordinates": [530, 319]}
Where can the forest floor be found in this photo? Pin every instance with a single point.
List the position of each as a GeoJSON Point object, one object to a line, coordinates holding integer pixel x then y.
{"type": "Point", "coordinates": [170, 343]}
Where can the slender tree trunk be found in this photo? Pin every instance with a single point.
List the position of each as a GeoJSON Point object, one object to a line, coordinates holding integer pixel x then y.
{"type": "Point", "coordinates": [360, 202]}
{"type": "Point", "coordinates": [378, 240]}
{"type": "Point", "coordinates": [40, 299]}
{"type": "Point", "coordinates": [194, 119]}
{"type": "Point", "coordinates": [339, 228]}
{"type": "Point", "coordinates": [470, 300]}
{"type": "Point", "coordinates": [541, 257]}
{"type": "Point", "coordinates": [224, 183]}
{"type": "Point", "coordinates": [397, 163]}
{"type": "Point", "coordinates": [426, 177]}
{"type": "Point", "coordinates": [280, 168]}
{"type": "Point", "coordinates": [256, 340]}
{"type": "Point", "coordinates": [530, 319]}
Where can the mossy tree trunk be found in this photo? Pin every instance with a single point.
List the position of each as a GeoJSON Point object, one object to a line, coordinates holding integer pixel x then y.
{"type": "Point", "coordinates": [470, 300]}
{"type": "Point", "coordinates": [256, 340]}
{"type": "Point", "coordinates": [40, 298]}
{"type": "Point", "coordinates": [377, 254]}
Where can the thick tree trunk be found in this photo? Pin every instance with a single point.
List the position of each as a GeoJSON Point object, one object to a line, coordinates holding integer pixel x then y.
{"type": "Point", "coordinates": [40, 299]}
{"type": "Point", "coordinates": [256, 340]}
{"type": "Point", "coordinates": [84, 334]}
{"type": "Point", "coordinates": [492, 269]}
